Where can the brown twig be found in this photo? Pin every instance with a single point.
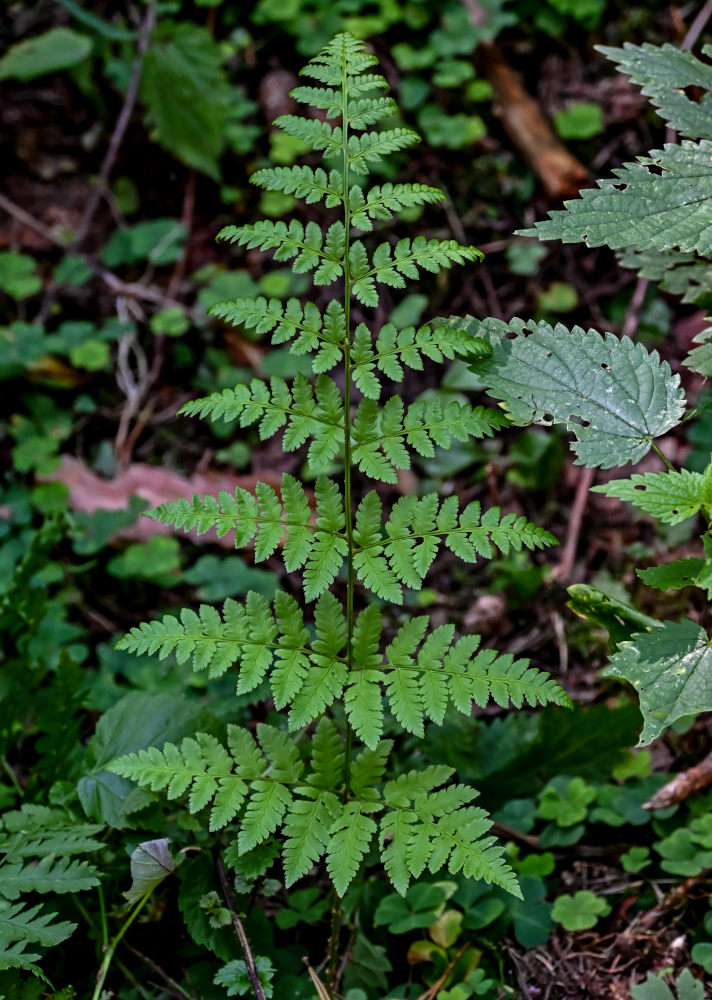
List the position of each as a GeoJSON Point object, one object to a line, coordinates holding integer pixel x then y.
{"type": "Point", "coordinates": [568, 554]}
{"type": "Point", "coordinates": [561, 174]}
{"type": "Point", "coordinates": [239, 929]}
{"type": "Point", "coordinates": [433, 990]}
{"type": "Point", "coordinates": [682, 785]}
{"type": "Point", "coordinates": [122, 123]}
{"type": "Point", "coordinates": [30, 221]}
{"type": "Point", "coordinates": [635, 307]}
{"type": "Point", "coordinates": [173, 987]}
{"type": "Point", "coordinates": [697, 26]}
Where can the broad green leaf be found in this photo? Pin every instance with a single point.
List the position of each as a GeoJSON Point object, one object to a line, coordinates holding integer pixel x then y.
{"type": "Point", "coordinates": [663, 201]}
{"type": "Point", "coordinates": [611, 393]}
{"type": "Point", "coordinates": [671, 668]}
{"type": "Point", "coordinates": [620, 619]}
{"type": "Point", "coordinates": [184, 89]}
{"type": "Point", "coordinates": [670, 496]}
{"type": "Point", "coordinates": [59, 48]}
{"type": "Point", "coordinates": [663, 72]}
{"type": "Point", "coordinates": [136, 721]}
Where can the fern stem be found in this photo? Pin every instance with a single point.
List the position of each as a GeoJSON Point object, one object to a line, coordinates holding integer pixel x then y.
{"type": "Point", "coordinates": [350, 573]}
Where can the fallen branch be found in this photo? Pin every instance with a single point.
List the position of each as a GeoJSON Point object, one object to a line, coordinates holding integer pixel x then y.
{"type": "Point", "coordinates": [682, 785]}
{"type": "Point", "coordinates": [560, 172]}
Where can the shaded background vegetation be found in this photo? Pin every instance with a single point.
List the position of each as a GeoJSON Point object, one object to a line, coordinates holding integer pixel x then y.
{"type": "Point", "coordinates": [129, 132]}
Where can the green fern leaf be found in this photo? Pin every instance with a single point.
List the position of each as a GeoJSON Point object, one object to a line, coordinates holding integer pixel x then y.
{"type": "Point", "coordinates": [371, 148]}
{"type": "Point", "coordinates": [31, 924]}
{"type": "Point", "coordinates": [670, 496]}
{"type": "Point", "coordinates": [438, 829]}
{"type": "Point", "coordinates": [49, 874]}
{"type": "Point", "coordinates": [323, 335]}
{"type": "Point", "coordinates": [614, 395]}
{"type": "Point", "coordinates": [307, 830]}
{"type": "Point", "coordinates": [327, 675]}
{"type": "Point", "coordinates": [316, 134]}
{"type": "Point", "coordinates": [330, 546]}
{"type": "Point", "coordinates": [303, 182]}
{"type": "Point", "coordinates": [381, 435]}
{"type": "Point", "coordinates": [383, 201]}
{"type": "Point", "coordinates": [350, 838]}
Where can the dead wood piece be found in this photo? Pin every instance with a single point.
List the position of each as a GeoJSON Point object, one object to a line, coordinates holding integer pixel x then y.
{"type": "Point", "coordinates": [682, 785]}
{"type": "Point", "coordinates": [560, 172]}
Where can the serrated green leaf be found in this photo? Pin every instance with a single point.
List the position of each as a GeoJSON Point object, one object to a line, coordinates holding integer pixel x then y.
{"type": "Point", "coordinates": [670, 667]}
{"type": "Point", "coordinates": [611, 393]}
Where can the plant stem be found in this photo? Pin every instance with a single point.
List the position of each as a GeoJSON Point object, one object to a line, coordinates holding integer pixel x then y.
{"type": "Point", "coordinates": [336, 902]}
{"type": "Point", "coordinates": [7, 768]}
{"type": "Point", "coordinates": [666, 461]}
{"type": "Point", "coordinates": [109, 953]}
{"type": "Point", "coordinates": [239, 929]}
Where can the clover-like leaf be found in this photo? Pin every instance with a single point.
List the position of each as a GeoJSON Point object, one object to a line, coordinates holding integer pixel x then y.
{"type": "Point", "coordinates": [580, 911]}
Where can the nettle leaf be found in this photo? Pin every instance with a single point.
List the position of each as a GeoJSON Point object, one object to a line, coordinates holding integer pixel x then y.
{"type": "Point", "coordinates": [663, 201]}
{"type": "Point", "coordinates": [663, 72]}
{"type": "Point", "coordinates": [613, 394]}
{"type": "Point", "coordinates": [671, 496]}
{"type": "Point", "coordinates": [670, 667]}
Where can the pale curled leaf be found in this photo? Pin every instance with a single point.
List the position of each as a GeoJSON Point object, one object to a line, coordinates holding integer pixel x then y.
{"type": "Point", "coordinates": [151, 862]}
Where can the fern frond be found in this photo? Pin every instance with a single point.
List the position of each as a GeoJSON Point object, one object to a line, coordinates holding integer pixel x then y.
{"type": "Point", "coordinates": [322, 334]}
{"type": "Point", "coordinates": [395, 348]}
{"type": "Point", "coordinates": [368, 110]}
{"type": "Point", "coordinates": [309, 819]}
{"type": "Point", "coordinates": [420, 684]}
{"type": "Point", "coordinates": [306, 410]}
{"type": "Point", "coordinates": [303, 182]}
{"type": "Point", "coordinates": [437, 829]}
{"type": "Point", "coordinates": [343, 53]}
{"type": "Point", "coordinates": [380, 435]}
{"type": "Point", "coordinates": [417, 527]}
{"type": "Point", "coordinates": [371, 148]}
{"type": "Point", "coordinates": [49, 874]}
{"type": "Point", "coordinates": [350, 838]}
{"type": "Point", "coordinates": [306, 246]}
{"type": "Point", "coordinates": [392, 265]}
{"type": "Point", "coordinates": [19, 922]}
{"type": "Point", "coordinates": [328, 671]}
{"type": "Point", "coordinates": [383, 201]}
{"type": "Point", "coordinates": [330, 546]}
{"type": "Point", "coordinates": [316, 134]}
{"type": "Point", "coordinates": [262, 518]}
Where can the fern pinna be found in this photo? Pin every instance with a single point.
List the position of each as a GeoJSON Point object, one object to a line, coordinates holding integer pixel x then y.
{"type": "Point", "coordinates": [334, 799]}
